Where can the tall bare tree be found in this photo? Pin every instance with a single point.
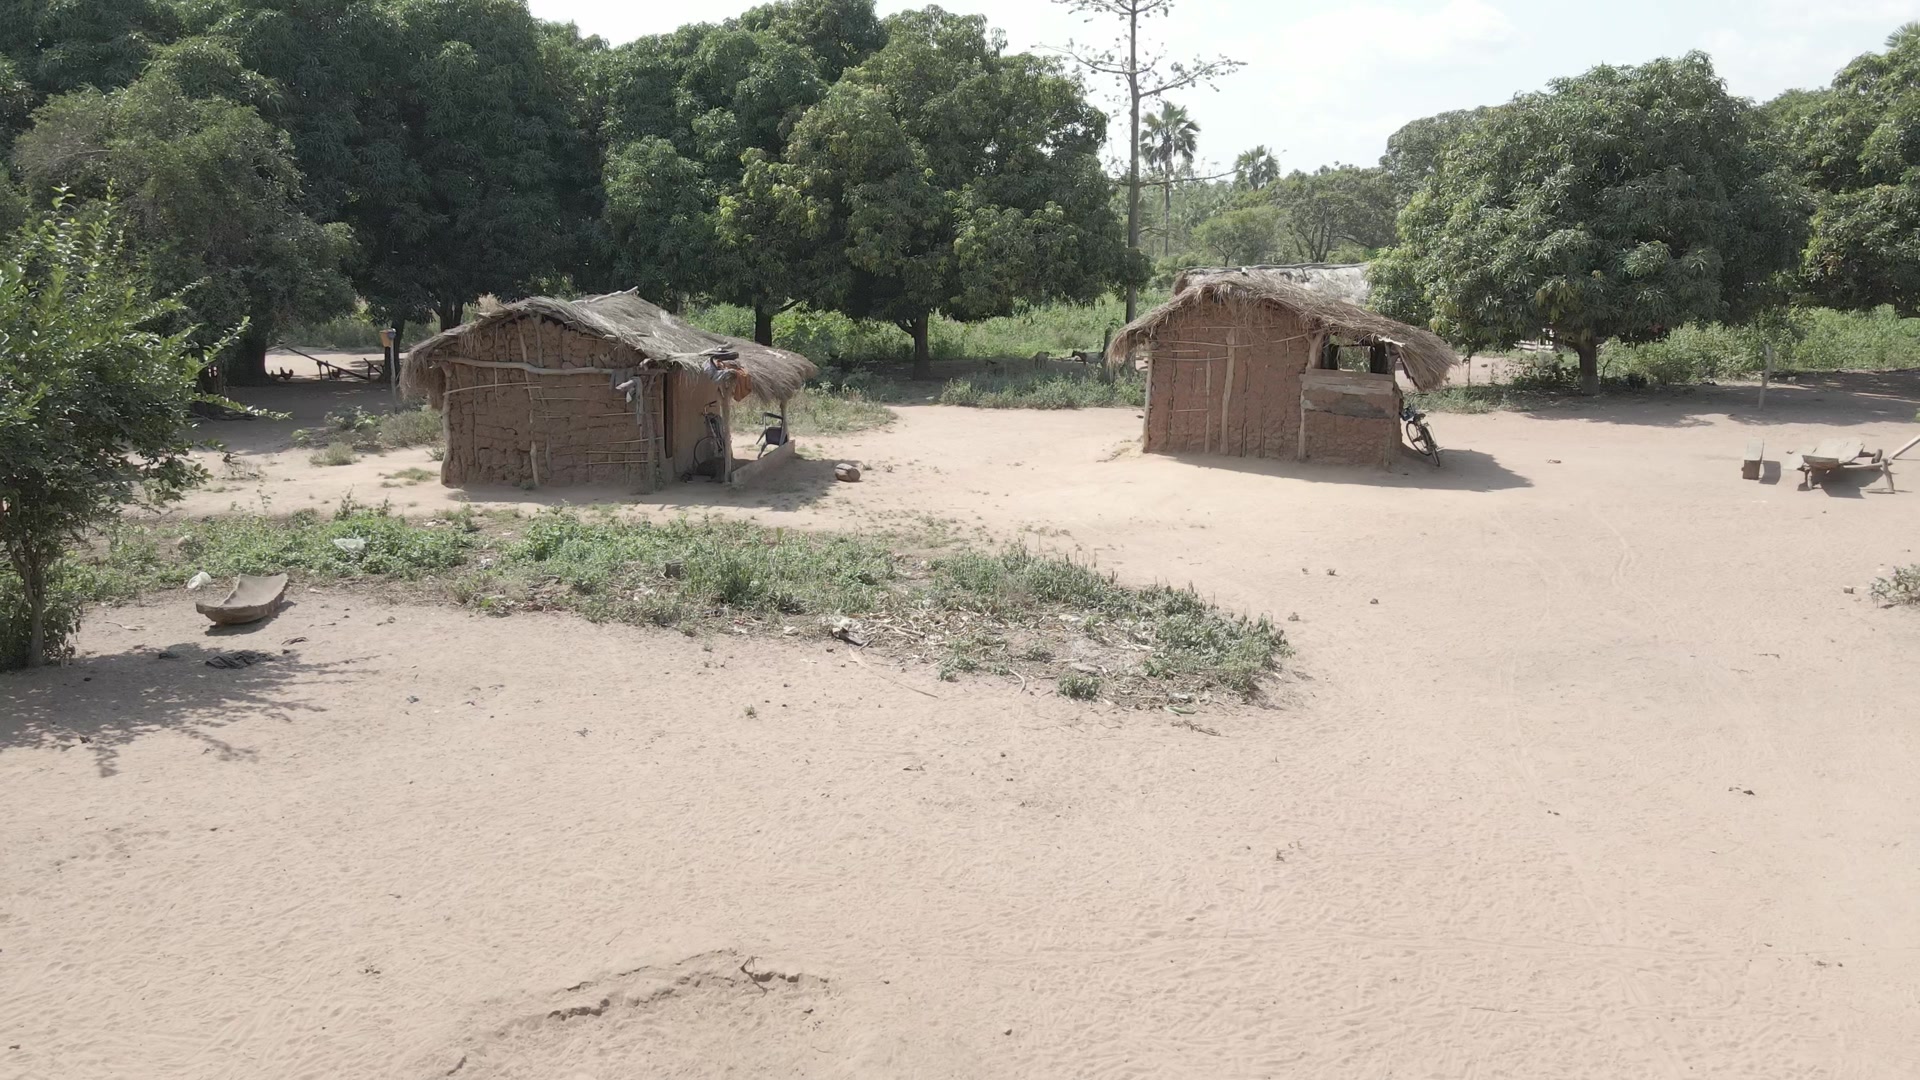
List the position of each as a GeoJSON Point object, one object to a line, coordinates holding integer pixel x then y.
{"type": "Point", "coordinates": [1146, 76]}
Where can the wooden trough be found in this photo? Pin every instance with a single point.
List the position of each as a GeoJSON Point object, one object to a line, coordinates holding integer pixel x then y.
{"type": "Point", "coordinates": [250, 600]}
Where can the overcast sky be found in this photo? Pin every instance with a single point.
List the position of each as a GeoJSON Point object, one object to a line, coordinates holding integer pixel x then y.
{"type": "Point", "coordinates": [1327, 82]}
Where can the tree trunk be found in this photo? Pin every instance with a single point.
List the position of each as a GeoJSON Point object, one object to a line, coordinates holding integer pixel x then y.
{"type": "Point", "coordinates": [248, 366]}
{"type": "Point", "coordinates": [1588, 350]}
{"type": "Point", "coordinates": [1166, 218]}
{"type": "Point", "coordinates": [450, 313]}
{"type": "Point", "coordinates": [35, 584]}
{"type": "Point", "coordinates": [1133, 151]}
{"type": "Point", "coordinates": [762, 325]}
{"type": "Point", "coordinates": [922, 357]}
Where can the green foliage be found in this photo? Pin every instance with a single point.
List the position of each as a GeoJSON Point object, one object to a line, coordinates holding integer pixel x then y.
{"type": "Point", "coordinates": [831, 410]}
{"type": "Point", "coordinates": [944, 174]}
{"type": "Point", "coordinates": [334, 453]}
{"type": "Point", "coordinates": [1078, 685]}
{"type": "Point", "coordinates": [1043, 390]}
{"type": "Point", "coordinates": [1859, 146]}
{"type": "Point", "coordinates": [93, 400]}
{"type": "Point", "coordinates": [832, 339]}
{"type": "Point", "coordinates": [1901, 587]}
{"type": "Point", "coordinates": [1618, 204]}
{"type": "Point", "coordinates": [1334, 205]}
{"type": "Point", "coordinates": [62, 606]}
{"type": "Point", "coordinates": [1804, 339]}
{"type": "Point", "coordinates": [210, 196]}
{"type": "Point", "coordinates": [1241, 237]}
{"type": "Point", "coordinates": [304, 544]}
{"type": "Point", "coordinates": [355, 428]}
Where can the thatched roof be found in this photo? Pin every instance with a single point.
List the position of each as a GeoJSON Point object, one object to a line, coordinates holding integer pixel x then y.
{"type": "Point", "coordinates": [1425, 356]}
{"type": "Point", "coordinates": [1342, 281]}
{"type": "Point", "coordinates": [660, 338]}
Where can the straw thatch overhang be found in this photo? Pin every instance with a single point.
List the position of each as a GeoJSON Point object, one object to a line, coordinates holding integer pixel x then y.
{"type": "Point", "coordinates": [1425, 357]}
{"type": "Point", "coordinates": [656, 338]}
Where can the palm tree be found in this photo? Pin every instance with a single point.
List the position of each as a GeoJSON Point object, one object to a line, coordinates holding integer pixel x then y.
{"type": "Point", "coordinates": [1256, 168]}
{"type": "Point", "coordinates": [1167, 141]}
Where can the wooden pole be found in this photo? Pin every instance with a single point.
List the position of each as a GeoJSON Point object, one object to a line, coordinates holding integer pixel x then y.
{"type": "Point", "coordinates": [726, 431]}
{"type": "Point", "coordinates": [1766, 375]}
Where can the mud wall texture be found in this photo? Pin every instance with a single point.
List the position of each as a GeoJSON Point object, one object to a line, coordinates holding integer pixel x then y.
{"type": "Point", "coordinates": [1226, 380]}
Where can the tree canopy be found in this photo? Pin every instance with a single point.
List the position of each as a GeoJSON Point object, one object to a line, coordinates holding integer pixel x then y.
{"type": "Point", "coordinates": [945, 174]}
{"type": "Point", "coordinates": [1617, 204]}
{"type": "Point", "coordinates": [210, 195]}
{"type": "Point", "coordinates": [1859, 146]}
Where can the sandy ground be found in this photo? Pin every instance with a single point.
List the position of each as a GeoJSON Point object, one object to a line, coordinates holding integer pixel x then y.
{"type": "Point", "coordinates": [1614, 780]}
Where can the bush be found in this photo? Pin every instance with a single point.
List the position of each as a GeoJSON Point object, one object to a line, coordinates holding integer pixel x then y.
{"type": "Point", "coordinates": [335, 453]}
{"type": "Point", "coordinates": [1079, 685]}
{"type": "Point", "coordinates": [66, 597]}
{"type": "Point", "coordinates": [831, 410]}
{"type": "Point", "coordinates": [1902, 587]}
{"type": "Point", "coordinates": [1044, 390]}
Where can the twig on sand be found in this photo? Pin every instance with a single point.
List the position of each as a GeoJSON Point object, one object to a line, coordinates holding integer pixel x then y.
{"type": "Point", "coordinates": [752, 976]}
{"type": "Point", "coordinates": [1201, 728]}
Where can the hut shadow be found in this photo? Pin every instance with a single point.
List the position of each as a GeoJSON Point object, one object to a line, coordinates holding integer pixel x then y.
{"type": "Point", "coordinates": [102, 704]}
{"type": "Point", "coordinates": [799, 482]}
{"type": "Point", "coordinates": [1460, 470]}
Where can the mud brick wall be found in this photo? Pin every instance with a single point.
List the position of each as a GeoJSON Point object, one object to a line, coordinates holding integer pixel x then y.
{"type": "Point", "coordinates": [571, 425]}
{"type": "Point", "coordinates": [1198, 402]}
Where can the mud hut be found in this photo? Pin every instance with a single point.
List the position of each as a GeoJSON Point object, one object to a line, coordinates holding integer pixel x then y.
{"type": "Point", "coordinates": [603, 389]}
{"type": "Point", "coordinates": [1250, 362]}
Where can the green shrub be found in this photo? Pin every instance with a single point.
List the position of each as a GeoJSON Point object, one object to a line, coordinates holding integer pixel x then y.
{"type": "Point", "coordinates": [1900, 587]}
{"type": "Point", "coordinates": [66, 598]}
{"type": "Point", "coordinates": [831, 410]}
{"type": "Point", "coordinates": [1045, 390]}
{"type": "Point", "coordinates": [335, 453]}
{"type": "Point", "coordinates": [1079, 685]}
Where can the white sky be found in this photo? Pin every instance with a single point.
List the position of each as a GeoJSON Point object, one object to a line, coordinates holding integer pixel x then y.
{"type": "Point", "coordinates": [1327, 80]}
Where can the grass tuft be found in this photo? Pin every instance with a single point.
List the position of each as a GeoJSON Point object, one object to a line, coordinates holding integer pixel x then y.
{"type": "Point", "coordinates": [334, 453]}
{"type": "Point", "coordinates": [1901, 587]}
{"type": "Point", "coordinates": [1045, 390]}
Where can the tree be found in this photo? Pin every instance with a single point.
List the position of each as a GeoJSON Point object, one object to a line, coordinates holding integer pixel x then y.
{"type": "Point", "coordinates": [942, 174]}
{"type": "Point", "coordinates": [1242, 237]}
{"type": "Point", "coordinates": [1618, 204]}
{"type": "Point", "coordinates": [1167, 142]}
{"type": "Point", "coordinates": [1335, 205]}
{"type": "Point", "coordinates": [1413, 153]}
{"type": "Point", "coordinates": [702, 117]}
{"type": "Point", "coordinates": [1145, 76]}
{"type": "Point", "coordinates": [1859, 146]}
{"type": "Point", "coordinates": [209, 194]}
{"type": "Point", "coordinates": [1254, 169]}
{"type": "Point", "coordinates": [93, 400]}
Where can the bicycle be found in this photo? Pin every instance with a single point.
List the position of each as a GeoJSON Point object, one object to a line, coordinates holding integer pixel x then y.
{"type": "Point", "coordinates": [772, 437]}
{"type": "Point", "coordinates": [710, 453]}
{"type": "Point", "coordinates": [1419, 436]}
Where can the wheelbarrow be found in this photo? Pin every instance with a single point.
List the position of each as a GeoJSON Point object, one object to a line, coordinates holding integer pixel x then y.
{"type": "Point", "coordinates": [1835, 456]}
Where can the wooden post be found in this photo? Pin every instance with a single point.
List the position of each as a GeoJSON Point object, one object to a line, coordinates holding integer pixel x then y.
{"type": "Point", "coordinates": [726, 430]}
{"type": "Point", "coordinates": [1766, 375]}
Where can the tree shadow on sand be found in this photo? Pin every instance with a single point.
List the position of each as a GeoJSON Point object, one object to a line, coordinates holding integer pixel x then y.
{"type": "Point", "coordinates": [1823, 399]}
{"type": "Point", "coordinates": [1459, 470]}
{"type": "Point", "coordinates": [101, 704]}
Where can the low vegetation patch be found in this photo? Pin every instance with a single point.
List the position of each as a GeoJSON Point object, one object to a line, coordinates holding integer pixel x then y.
{"type": "Point", "coordinates": [374, 432]}
{"type": "Point", "coordinates": [835, 410]}
{"type": "Point", "coordinates": [1045, 390]}
{"type": "Point", "coordinates": [1902, 587]}
{"type": "Point", "coordinates": [334, 453]}
{"type": "Point", "coordinates": [1015, 613]}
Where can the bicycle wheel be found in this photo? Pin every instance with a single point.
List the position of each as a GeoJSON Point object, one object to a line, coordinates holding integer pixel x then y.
{"type": "Point", "coordinates": [707, 458]}
{"type": "Point", "coordinates": [1421, 440]}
